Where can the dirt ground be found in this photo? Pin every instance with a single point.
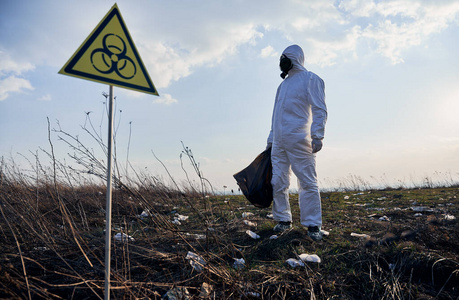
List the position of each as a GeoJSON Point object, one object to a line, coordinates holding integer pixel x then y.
{"type": "Point", "coordinates": [381, 244]}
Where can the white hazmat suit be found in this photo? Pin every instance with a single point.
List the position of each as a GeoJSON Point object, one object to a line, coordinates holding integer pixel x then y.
{"type": "Point", "coordinates": [299, 116]}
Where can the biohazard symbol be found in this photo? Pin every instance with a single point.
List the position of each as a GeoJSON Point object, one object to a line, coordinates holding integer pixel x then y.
{"type": "Point", "coordinates": [112, 57]}
{"type": "Point", "coordinates": [108, 55]}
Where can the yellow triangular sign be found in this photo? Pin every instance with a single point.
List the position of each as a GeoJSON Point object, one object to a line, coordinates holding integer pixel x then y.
{"type": "Point", "coordinates": [108, 55]}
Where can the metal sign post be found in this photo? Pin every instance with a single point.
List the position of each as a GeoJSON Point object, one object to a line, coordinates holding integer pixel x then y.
{"type": "Point", "coordinates": [108, 205]}
{"type": "Point", "coordinates": [108, 55]}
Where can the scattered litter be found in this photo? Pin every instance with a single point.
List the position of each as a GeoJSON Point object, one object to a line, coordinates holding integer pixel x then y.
{"type": "Point", "coordinates": [176, 222]}
{"type": "Point", "coordinates": [360, 235]}
{"type": "Point", "coordinates": [384, 218]}
{"type": "Point", "coordinates": [372, 216]}
{"type": "Point", "coordinates": [310, 258]}
{"type": "Point", "coordinates": [417, 214]}
{"type": "Point", "coordinates": [273, 237]}
{"type": "Point", "coordinates": [181, 218]}
{"type": "Point", "coordinates": [239, 263]}
{"type": "Point", "coordinates": [178, 293]}
{"type": "Point", "coordinates": [122, 237]}
{"type": "Point", "coordinates": [449, 217]}
{"type": "Point", "coordinates": [421, 208]}
{"type": "Point", "coordinates": [324, 232]}
{"type": "Point", "coordinates": [40, 248]}
{"type": "Point", "coordinates": [381, 198]}
{"type": "Point", "coordinates": [254, 294]}
{"type": "Point", "coordinates": [247, 214]}
{"type": "Point", "coordinates": [196, 236]}
{"type": "Point", "coordinates": [270, 216]}
{"type": "Point", "coordinates": [252, 224]}
{"type": "Point", "coordinates": [206, 290]}
{"type": "Point", "coordinates": [196, 261]}
{"type": "Point", "coordinates": [145, 214]}
{"type": "Point", "coordinates": [346, 197]}
{"type": "Point", "coordinates": [252, 234]}
{"type": "Point", "coordinates": [358, 194]}
{"type": "Point", "coordinates": [294, 262]}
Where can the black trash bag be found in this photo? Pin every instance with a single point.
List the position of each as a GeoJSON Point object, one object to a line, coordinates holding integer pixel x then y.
{"type": "Point", "coordinates": [255, 180]}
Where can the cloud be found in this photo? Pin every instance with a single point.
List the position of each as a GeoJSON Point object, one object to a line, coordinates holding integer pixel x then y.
{"type": "Point", "coordinates": [165, 99]}
{"type": "Point", "coordinates": [10, 66]}
{"type": "Point", "coordinates": [13, 84]}
{"type": "Point", "coordinates": [395, 26]}
{"type": "Point", "coordinates": [168, 62]}
{"type": "Point", "coordinates": [205, 35]}
{"type": "Point", "coordinates": [10, 71]}
{"type": "Point", "coordinates": [268, 51]}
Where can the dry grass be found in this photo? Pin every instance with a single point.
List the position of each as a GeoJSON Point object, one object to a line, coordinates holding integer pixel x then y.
{"type": "Point", "coordinates": [52, 243]}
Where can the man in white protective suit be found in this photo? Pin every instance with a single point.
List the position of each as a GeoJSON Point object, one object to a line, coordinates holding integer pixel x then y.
{"type": "Point", "coordinates": [297, 131]}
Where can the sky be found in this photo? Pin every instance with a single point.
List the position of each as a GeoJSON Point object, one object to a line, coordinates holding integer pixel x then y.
{"type": "Point", "coordinates": [390, 68]}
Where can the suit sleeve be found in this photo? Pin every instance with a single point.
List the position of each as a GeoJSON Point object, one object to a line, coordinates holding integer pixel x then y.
{"type": "Point", "coordinates": [318, 107]}
{"type": "Point", "coordinates": [270, 137]}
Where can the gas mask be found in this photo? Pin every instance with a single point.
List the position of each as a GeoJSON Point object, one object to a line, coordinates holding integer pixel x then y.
{"type": "Point", "coordinates": [285, 65]}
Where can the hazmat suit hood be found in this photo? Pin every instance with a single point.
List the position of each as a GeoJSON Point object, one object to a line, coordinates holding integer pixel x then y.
{"type": "Point", "coordinates": [296, 55]}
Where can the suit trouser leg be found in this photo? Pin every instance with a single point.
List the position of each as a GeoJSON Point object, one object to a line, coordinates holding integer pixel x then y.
{"type": "Point", "coordinates": [304, 167]}
{"type": "Point", "coordinates": [281, 183]}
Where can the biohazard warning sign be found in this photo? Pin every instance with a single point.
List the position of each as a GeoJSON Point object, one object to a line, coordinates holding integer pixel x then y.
{"type": "Point", "coordinates": [108, 55]}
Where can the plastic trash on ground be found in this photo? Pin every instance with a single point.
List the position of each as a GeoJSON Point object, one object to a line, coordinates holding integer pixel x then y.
{"type": "Point", "coordinates": [421, 208]}
{"type": "Point", "coordinates": [206, 290]}
{"type": "Point", "coordinates": [249, 223]}
{"type": "Point", "coordinates": [178, 293]}
{"type": "Point", "coordinates": [346, 197]}
{"type": "Point", "coordinates": [449, 217]}
{"type": "Point", "coordinates": [181, 218]}
{"type": "Point", "coordinates": [254, 294]}
{"type": "Point", "coordinates": [294, 262]}
{"type": "Point", "coordinates": [324, 232]}
{"type": "Point", "coordinates": [270, 216]}
{"type": "Point", "coordinates": [239, 263]}
{"type": "Point", "coordinates": [122, 237]}
{"type": "Point", "coordinates": [417, 214]}
{"type": "Point", "coordinates": [145, 214]}
{"type": "Point", "coordinates": [247, 214]}
{"type": "Point", "coordinates": [252, 234]}
{"type": "Point", "coordinates": [310, 258]}
{"type": "Point", "coordinates": [384, 218]}
{"type": "Point", "coordinates": [196, 261]}
{"type": "Point", "coordinates": [273, 237]}
{"type": "Point", "coordinates": [360, 235]}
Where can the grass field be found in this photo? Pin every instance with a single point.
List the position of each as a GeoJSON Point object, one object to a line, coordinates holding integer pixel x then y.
{"type": "Point", "coordinates": [52, 244]}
